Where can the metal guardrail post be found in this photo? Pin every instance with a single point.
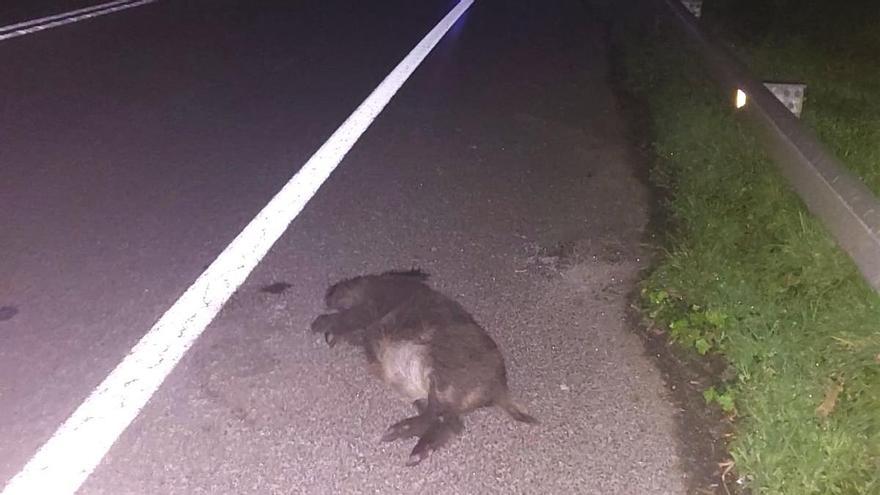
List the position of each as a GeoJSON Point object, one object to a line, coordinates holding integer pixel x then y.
{"type": "Point", "coordinates": [848, 209]}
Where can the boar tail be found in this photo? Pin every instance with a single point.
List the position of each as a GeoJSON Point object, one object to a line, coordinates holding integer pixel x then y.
{"type": "Point", "coordinates": [514, 410]}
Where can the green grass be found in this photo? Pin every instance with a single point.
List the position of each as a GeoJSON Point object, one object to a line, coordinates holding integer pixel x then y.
{"type": "Point", "coordinates": [833, 47]}
{"type": "Point", "coordinates": [749, 274]}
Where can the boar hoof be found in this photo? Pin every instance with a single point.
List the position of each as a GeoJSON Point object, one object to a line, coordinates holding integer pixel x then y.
{"type": "Point", "coordinates": [416, 458]}
{"type": "Point", "coordinates": [322, 324]}
{"type": "Point", "coordinates": [415, 426]}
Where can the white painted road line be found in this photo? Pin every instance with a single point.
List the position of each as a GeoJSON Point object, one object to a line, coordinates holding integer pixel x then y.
{"type": "Point", "coordinates": [64, 462]}
{"type": "Point", "coordinates": [43, 23]}
{"type": "Point", "coordinates": [71, 13]}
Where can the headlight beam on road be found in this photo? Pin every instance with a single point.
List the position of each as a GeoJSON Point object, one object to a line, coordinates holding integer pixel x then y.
{"type": "Point", "coordinates": [67, 459]}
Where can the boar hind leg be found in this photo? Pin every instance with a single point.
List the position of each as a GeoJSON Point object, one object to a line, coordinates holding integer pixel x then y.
{"type": "Point", "coordinates": [415, 426]}
{"type": "Point", "coordinates": [434, 425]}
{"type": "Point", "coordinates": [442, 429]}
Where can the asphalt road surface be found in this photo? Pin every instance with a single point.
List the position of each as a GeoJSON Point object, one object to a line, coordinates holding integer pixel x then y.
{"type": "Point", "coordinates": [135, 146]}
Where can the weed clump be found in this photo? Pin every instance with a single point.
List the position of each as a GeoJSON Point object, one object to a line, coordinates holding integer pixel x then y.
{"type": "Point", "coordinates": [750, 275]}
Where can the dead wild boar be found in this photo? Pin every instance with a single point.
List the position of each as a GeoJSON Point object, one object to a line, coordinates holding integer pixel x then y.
{"type": "Point", "coordinates": [426, 347]}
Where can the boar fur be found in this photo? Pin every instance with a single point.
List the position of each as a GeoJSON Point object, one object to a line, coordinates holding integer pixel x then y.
{"type": "Point", "coordinates": [426, 346]}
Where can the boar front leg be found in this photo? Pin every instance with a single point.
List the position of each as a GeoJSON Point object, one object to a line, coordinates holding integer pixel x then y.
{"type": "Point", "coordinates": [343, 323]}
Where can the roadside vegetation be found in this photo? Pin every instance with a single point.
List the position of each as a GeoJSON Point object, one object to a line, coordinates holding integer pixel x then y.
{"type": "Point", "coordinates": [746, 272]}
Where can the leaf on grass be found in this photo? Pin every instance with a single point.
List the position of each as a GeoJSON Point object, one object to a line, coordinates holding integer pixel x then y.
{"type": "Point", "coordinates": [846, 343]}
{"type": "Point", "coordinates": [702, 346]}
{"type": "Point", "coordinates": [830, 402]}
{"type": "Point", "coordinates": [710, 394]}
{"type": "Point", "coordinates": [726, 403]}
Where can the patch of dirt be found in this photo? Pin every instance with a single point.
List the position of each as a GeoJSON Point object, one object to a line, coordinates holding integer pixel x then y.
{"type": "Point", "coordinates": [556, 258]}
{"type": "Point", "coordinates": [703, 429]}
